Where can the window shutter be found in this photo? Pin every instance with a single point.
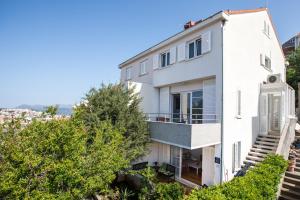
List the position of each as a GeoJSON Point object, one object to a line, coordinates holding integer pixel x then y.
{"type": "Point", "coordinates": [181, 52]}
{"type": "Point", "coordinates": [206, 42]}
{"type": "Point", "coordinates": [172, 55]}
{"type": "Point", "coordinates": [155, 61]}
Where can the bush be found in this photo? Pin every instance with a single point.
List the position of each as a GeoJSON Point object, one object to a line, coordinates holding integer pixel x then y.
{"type": "Point", "coordinates": [169, 191]}
{"type": "Point", "coordinates": [261, 182]}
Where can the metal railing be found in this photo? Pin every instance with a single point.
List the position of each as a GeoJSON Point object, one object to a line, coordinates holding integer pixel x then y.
{"type": "Point", "coordinates": [182, 118]}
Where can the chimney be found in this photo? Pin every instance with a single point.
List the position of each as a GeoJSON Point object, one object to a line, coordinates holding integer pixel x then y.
{"type": "Point", "coordinates": [189, 24]}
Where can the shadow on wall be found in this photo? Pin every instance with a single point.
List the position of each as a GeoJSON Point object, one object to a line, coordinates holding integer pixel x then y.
{"type": "Point", "coordinates": [255, 123]}
{"type": "Point", "coordinates": [255, 128]}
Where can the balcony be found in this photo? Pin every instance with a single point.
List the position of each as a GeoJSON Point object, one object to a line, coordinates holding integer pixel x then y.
{"type": "Point", "coordinates": [186, 131]}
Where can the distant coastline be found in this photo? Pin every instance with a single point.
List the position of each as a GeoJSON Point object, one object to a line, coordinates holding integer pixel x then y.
{"type": "Point", "coordinates": [62, 109]}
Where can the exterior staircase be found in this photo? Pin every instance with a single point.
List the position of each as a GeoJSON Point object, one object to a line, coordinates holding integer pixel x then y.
{"type": "Point", "coordinates": [263, 145]}
{"type": "Point", "coordinates": [297, 135]}
{"type": "Point", "coordinates": [290, 189]}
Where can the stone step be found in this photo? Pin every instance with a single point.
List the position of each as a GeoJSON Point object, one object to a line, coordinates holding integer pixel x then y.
{"type": "Point", "coordinates": [268, 140]}
{"type": "Point", "coordinates": [251, 162]}
{"type": "Point", "coordinates": [284, 197]}
{"type": "Point", "coordinates": [257, 154]}
{"type": "Point", "coordinates": [292, 174]}
{"type": "Point", "coordinates": [290, 193]}
{"type": "Point", "coordinates": [291, 180]}
{"type": "Point", "coordinates": [290, 186]}
{"type": "Point", "coordinates": [264, 147]}
{"type": "Point", "coordinates": [272, 144]}
{"type": "Point", "coordinates": [263, 151]}
{"type": "Point", "coordinates": [269, 136]}
{"type": "Point", "coordinates": [253, 158]}
{"type": "Point", "coordinates": [297, 169]}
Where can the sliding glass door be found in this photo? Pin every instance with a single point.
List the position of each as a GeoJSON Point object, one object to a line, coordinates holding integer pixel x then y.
{"type": "Point", "coordinates": [187, 107]}
{"type": "Point", "coordinates": [175, 155]}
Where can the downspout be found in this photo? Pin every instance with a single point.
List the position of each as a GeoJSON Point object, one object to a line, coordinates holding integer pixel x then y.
{"type": "Point", "coordinates": [222, 88]}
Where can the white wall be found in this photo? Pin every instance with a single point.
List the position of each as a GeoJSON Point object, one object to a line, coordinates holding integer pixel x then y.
{"type": "Point", "coordinates": [149, 95]}
{"type": "Point", "coordinates": [244, 40]}
{"type": "Point", "coordinates": [157, 152]}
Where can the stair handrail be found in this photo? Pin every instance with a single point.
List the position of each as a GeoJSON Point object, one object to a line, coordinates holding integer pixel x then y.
{"type": "Point", "coordinates": [287, 136]}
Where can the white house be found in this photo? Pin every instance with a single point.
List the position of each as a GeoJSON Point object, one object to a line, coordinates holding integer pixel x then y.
{"type": "Point", "coordinates": [207, 94]}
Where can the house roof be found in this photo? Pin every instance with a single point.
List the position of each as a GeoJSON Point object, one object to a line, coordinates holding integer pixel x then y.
{"type": "Point", "coordinates": [234, 12]}
{"type": "Point", "coordinates": [217, 16]}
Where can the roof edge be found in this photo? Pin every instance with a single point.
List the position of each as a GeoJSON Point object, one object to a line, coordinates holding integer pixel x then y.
{"type": "Point", "coordinates": [235, 12]}
{"type": "Point", "coordinates": [199, 24]}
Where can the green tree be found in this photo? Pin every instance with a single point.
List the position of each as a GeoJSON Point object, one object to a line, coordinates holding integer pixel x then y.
{"type": "Point", "coordinates": [51, 160]}
{"type": "Point", "coordinates": [120, 106]}
{"type": "Point", "coordinates": [293, 70]}
{"type": "Point", "coordinates": [51, 110]}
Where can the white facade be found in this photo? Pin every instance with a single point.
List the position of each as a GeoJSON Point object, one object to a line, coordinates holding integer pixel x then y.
{"type": "Point", "coordinates": [239, 49]}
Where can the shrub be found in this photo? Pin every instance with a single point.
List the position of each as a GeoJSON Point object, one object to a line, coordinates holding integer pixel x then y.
{"type": "Point", "coordinates": [261, 182]}
{"type": "Point", "coordinates": [169, 191]}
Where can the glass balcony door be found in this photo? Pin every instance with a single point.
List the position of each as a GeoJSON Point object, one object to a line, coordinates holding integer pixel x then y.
{"type": "Point", "coordinates": [187, 107]}
{"type": "Point", "coordinates": [195, 107]}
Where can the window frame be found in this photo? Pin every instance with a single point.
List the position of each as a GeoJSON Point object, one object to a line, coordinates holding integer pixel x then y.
{"type": "Point", "coordinates": [195, 53]}
{"type": "Point", "coordinates": [268, 62]}
{"type": "Point", "coordinates": [128, 73]}
{"type": "Point", "coordinates": [143, 65]}
{"type": "Point", "coordinates": [167, 59]}
{"type": "Point", "coordinates": [236, 156]}
{"type": "Point", "coordinates": [239, 104]}
{"type": "Point", "coordinates": [266, 29]}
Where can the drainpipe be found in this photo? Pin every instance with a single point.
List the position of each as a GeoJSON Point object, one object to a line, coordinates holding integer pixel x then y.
{"type": "Point", "coordinates": [222, 126]}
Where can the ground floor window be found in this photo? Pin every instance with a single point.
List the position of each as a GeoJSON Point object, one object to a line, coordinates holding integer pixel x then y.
{"type": "Point", "coordinates": [236, 159]}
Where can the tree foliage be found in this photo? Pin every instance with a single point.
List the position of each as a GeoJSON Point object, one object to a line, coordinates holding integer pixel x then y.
{"type": "Point", "coordinates": [51, 160]}
{"type": "Point", "coordinates": [51, 110]}
{"type": "Point", "coordinates": [293, 70]}
{"type": "Point", "coordinates": [119, 106]}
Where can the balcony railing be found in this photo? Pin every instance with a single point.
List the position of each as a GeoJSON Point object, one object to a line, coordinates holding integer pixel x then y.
{"type": "Point", "coordinates": [182, 118]}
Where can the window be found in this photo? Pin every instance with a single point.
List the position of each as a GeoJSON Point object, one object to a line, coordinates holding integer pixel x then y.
{"type": "Point", "coordinates": [191, 50]}
{"type": "Point", "coordinates": [266, 28]}
{"type": "Point", "coordinates": [267, 62]}
{"type": "Point", "coordinates": [194, 48]}
{"type": "Point", "coordinates": [143, 67]}
{"type": "Point", "coordinates": [236, 156]}
{"type": "Point", "coordinates": [238, 112]}
{"type": "Point", "coordinates": [262, 60]}
{"type": "Point", "coordinates": [165, 59]}
{"type": "Point", "coordinates": [128, 73]}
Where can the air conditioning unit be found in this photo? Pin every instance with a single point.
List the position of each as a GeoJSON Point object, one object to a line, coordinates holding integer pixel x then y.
{"type": "Point", "coordinates": [274, 78]}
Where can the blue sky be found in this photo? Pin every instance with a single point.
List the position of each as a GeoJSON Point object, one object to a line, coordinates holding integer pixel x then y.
{"type": "Point", "coordinates": [54, 51]}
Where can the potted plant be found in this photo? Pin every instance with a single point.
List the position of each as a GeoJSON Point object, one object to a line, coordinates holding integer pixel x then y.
{"type": "Point", "coordinates": [292, 161]}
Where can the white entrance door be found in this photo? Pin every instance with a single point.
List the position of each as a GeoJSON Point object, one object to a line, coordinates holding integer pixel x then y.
{"type": "Point", "coordinates": [263, 110]}
{"type": "Point", "coordinates": [275, 113]}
